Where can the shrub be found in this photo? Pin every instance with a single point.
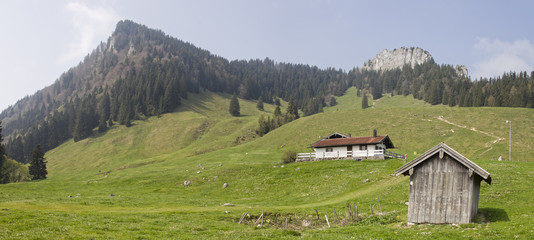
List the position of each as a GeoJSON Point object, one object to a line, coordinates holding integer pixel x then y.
{"type": "Point", "coordinates": [289, 156]}
{"type": "Point", "coordinates": [13, 171]}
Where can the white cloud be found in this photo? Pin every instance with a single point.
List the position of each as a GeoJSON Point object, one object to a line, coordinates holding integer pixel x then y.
{"type": "Point", "coordinates": [91, 25]}
{"type": "Point", "coordinates": [497, 57]}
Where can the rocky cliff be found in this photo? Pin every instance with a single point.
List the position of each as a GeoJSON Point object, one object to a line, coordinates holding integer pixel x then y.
{"type": "Point", "coordinates": [388, 60]}
{"type": "Point", "coordinates": [397, 58]}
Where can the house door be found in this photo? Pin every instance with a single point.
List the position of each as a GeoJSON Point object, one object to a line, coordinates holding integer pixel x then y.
{"type": "Point", "coordinates": [349, 151]}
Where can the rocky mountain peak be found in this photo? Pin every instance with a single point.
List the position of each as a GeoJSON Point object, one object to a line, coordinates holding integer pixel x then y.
{"type": "Point", "coordinates": [397, 58]}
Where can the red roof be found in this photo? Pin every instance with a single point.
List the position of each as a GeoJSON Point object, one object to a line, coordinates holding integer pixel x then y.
{"type": "Point", "coordinates": [354, 141]}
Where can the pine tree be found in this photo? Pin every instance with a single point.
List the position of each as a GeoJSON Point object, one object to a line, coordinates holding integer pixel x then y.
{"type": "Point", "coordinates": [278, 119]}
{"type": "Point", "coordinates": [171, 98]}
{"type": "Point", "coordinates": [38, 164]}
{"type": "Point", "coordinates": [234, 106]}
{"type": "Point", "coordinates": [277, 111]}
{"type": "Point", "coordinates": [292, 110]}
{"type": "Point", "coordinates": [365, 102]}
{"type": "Point", "coordinates": [263, 126]}
{"type": "Point", "coordinates": [435, 94]}
{"type": "Point", "coordinates": [452, 100]}
{"type": "Point", "coordinates": [445, 98]}
{"type": "Point", "coordinates": [259, 106]}
{"type": "Point", "coordinates": [333, 101]}
{"type": "Point", "coordinates": [104, 113]}
{"type": "Point", "coordinates": [82, 127]}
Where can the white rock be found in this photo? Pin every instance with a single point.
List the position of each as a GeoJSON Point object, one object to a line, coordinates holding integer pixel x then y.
{"type": "Point", "coordinates": [397, 58]}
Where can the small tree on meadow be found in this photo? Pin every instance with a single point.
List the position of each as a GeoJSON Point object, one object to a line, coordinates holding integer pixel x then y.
{"type": "Point", "coordinates": [365, 102]}
{"type": "Point", "coordinates": [259, 106]}
{"type": "Point", "coordinates": [292, 110]}
{"type": "Point", "coordinates": [234, 106]}
{"type": "Point", "coordinates": [333, 101]}
{"type": "Point", "coordinates": [38, 164]}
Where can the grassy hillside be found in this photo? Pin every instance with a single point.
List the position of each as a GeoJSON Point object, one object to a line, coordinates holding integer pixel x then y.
{"type": "Point", "coordinates": [129, 182]}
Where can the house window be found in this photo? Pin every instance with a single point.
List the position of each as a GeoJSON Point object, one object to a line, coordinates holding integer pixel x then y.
{"type": "Point", "coordinates": [329, 150]}
{"type": "Point", "coordinates": [363, 147]}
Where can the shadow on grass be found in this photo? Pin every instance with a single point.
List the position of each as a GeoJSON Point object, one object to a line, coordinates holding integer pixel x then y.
{"type": "Point", "coordinates": [492, 215]}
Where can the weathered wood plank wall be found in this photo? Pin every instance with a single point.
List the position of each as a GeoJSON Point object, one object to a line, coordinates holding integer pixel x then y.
{"type": "Point", "coordinates": [443, 191]}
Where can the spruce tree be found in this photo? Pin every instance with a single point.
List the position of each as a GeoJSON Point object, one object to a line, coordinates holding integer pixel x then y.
{"type": "Point", "coordinates": [38, 164]}
{"type": "Point", "coordinates": [259, 106]}
{"type": "Point", "coordinates": [263, 126]}
{"type": "Point", "coordinates": [365, 102]}
{"type": "Point", "coordinates": [234, 106]}
{"type": "Point", "coordinates": [278, 119]}
{"type": "Point", "coordinates": [333, 101]}
{"type": "Point", "coordinates": [104, 113]}
{"type": "Point", "coordinates": [277, 111]}
{"type": "Point", "coordinates": [292, 110]}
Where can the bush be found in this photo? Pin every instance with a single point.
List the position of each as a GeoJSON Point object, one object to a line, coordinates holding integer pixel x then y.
{"type": "Point", "coordinates": [289, 156]}
{"type": "Point", "coordinates": [12, 171]}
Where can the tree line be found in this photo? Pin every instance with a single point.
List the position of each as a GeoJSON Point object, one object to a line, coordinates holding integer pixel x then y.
{"type": "Point", "coordinates": [440, 84]}
{"type": "Point", "coordinates": [12, 171]}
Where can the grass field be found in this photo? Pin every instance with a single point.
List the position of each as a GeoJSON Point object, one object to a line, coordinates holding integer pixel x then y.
{"type": "Point", "coordinates": [129, 182]}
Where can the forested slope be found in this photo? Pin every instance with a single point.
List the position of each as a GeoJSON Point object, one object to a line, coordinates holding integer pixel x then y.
{"type": "Point", "coordinates": [141, 72]}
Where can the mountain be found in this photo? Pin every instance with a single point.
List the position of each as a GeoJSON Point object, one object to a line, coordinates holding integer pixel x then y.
{"type": "Point", "coordinates": [141, 72]}
{"type": "Point", "coordinates": [158, 172]}
{"type": "Point", "coordinates": [398, 58]}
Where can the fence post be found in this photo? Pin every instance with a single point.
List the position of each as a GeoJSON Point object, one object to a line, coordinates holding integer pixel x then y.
{"type": "Point", "coordinates": [380, 205]}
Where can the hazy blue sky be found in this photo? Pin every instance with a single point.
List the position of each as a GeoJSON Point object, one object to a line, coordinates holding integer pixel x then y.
{"type": "Point", "coordinates": [42, 39]}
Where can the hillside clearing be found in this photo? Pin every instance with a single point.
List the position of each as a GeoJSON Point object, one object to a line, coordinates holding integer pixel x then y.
{"type": "Point", "coordinates": [128, 182]}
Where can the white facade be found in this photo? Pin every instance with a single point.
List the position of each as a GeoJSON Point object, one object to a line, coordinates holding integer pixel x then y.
{"type": "Point", "coordinates": [343, 151]}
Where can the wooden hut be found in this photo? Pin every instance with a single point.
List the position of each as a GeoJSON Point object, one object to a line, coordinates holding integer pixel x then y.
{"type": "Point", "coordinates": [444, 186]}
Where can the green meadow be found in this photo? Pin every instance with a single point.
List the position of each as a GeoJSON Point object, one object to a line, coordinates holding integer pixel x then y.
{"type": "Point", "coordinates": [128, 183]}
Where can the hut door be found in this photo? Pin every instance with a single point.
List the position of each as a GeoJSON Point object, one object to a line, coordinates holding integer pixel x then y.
{"type": "Point", "coordinates": [349, 151]}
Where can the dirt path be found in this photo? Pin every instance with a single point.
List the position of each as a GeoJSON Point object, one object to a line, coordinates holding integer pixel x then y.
{"type": "Point", "coordinates": [488, 144]}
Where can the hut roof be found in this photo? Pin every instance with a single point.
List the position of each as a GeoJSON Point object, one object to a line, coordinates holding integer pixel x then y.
{"type": "Point", "coordinates": [451, 152]}
{"type": "Point", "coordinates": [333, 142]}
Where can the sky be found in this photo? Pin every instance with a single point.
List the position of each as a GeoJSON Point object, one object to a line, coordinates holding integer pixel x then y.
{"type": "Point", "coordinates": [42, 39]}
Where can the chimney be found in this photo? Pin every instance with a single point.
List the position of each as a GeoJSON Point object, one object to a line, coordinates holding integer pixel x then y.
{"type": "Point", "coordinates": [374, 133]}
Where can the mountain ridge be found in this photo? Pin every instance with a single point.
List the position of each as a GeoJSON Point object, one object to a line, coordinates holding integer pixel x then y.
{"type": "Point", "coordinates": [143, 72]}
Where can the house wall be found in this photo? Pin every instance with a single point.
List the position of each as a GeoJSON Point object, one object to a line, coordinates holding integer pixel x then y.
{"type": "Point", "coordinates": [341, 152]}
{"type": "Point", "coordinates": [441, 191]}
